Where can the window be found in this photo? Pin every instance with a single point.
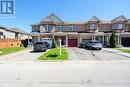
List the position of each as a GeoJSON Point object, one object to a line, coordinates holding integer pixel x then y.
{"type": "Point", "coordinates": [47, 28]}
{"type": "Point", "coordinates": [117, 26]}
{"type": "Point", "coordinates": [120, 26]}
{"type": "Point", "coordinates": [72, 28]}
{"type": "Point", "coordinates": [60, 28]}
{"type": "Point", "coordinates": [37, 29]}
{"type": "Point", "coordinates": [92, 25]}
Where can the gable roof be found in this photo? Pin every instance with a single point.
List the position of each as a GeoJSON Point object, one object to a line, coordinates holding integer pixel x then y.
{"type": "Point", "coordinates": [120, 18]}
{"type": "Point", "coordinates": [52, 18]}
{"type": "Point", "coordinates": [94, 18]}
{"type": "Point", "coordinates": [3, 27]}
{"type": "Point", "coordinates": [15, 29]}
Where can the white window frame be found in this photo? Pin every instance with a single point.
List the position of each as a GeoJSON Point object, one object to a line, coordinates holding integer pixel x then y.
{"type": "Point", "coordinates": [47, 28]}
{"type": "Point", "coordinates": [60, 28]}
{"type": "Point", "coordinates": [117, 26]}
{"type": "Point", "coordinates": [92, 25]}
{"type": "Point", "coordinates": [37, 28]}
{"type": "Point", "coordinates": [72, 28]}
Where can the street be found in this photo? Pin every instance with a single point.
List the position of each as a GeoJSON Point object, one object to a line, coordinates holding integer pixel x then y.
{"type": "Point", "coordinates": [65, 74]}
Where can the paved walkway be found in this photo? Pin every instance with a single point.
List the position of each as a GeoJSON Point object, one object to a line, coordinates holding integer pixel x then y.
{"type": "Point", "coordinates": [90, 55]}
{"type": "Point", "coordinates": [25, 55]}
{"type": "Point", "coordinates": [118, 51]}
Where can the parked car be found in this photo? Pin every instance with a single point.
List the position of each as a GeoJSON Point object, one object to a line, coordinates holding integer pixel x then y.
{"type": "Point", "coordinates": [94, 44]}
{"type": "Point", "coordinates": [39, 46]}
{"type": "Point", "coordinates": [48, 40]}
{"type": "Point", "coordinates": [47, 45]}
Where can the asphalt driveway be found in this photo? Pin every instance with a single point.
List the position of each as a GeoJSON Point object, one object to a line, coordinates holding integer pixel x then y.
{"type": "Point", "coordinates": [25, 55]}
{"type": "Point", "coordinates": [91, 55]}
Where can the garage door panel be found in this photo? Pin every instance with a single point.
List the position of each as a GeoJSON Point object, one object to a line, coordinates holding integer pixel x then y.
{"type": "Point", "coordinates": [72, 42]}
{"type": "Point", "coordinates": [125, 41]}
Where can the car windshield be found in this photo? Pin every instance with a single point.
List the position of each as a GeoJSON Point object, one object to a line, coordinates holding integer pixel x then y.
{"type": "Point", "coordinates": [39, 43]}
{"type": "Point", "coordinates": [96, 42]}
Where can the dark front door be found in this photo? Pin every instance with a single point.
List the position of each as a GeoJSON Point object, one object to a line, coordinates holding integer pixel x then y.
{"type": "Point", "coordinates": [72, 42]}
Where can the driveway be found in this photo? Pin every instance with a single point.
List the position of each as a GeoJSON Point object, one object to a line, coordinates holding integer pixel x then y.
{"type": "Point", "coordinates": [90, 55]}
{"type": "Point", "coordinates": [25, 55]}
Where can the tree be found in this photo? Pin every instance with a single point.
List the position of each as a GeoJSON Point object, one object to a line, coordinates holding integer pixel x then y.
{"type": "Point", "coordinates": [54, 45]}
{"type": "Point", "coordinates": [112, 40]}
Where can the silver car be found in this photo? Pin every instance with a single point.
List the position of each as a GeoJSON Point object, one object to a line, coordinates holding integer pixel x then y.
{"type": "Point", "coordinates": [94, 44]}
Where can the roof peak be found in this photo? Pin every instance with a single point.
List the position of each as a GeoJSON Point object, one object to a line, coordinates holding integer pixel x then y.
{"type": "Point", "coordinates": [52, 18]}
{"type": "Point", "coordinates": [120, 18]}
{"type": "Point", "coordinates": [94, 18]}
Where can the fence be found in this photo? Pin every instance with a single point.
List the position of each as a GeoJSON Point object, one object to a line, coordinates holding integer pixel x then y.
{"type": "Point", "coordinates": [8, 43]}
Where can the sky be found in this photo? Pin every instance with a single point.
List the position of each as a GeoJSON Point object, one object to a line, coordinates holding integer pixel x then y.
{"type": "Point", "coordinates": [29, 12]}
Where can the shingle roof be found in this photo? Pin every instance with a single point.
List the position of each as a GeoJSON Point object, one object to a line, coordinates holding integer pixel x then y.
{"type": "Point", "coordinates": [3, 27]}
{"type": "Point", "coordinates": [94, 18]}
{"type": "Point", "coordinates": [74, 22]}
{"type": "Point", "coordinates": [120, 18]}
{"type": "Point", "coordinates": [52, 18]}
{"type": "Point", "coordinates": [18, 30]}
{"type": "Point", "coordinates": [105, 22]}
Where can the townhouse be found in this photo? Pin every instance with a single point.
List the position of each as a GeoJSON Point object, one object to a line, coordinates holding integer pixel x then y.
{"type": "Point", "coordinates": [73, 33]}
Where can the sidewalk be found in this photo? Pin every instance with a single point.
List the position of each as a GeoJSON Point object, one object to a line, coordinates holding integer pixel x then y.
{"type": "Point", "coordinates": [117, 52]}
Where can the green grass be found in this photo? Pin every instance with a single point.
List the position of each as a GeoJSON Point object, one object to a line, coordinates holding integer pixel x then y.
{"type": "Point", "coordinates": [10, 50]}
{"type": "Point", "coordinates": [123, 50]}
{"type": "Point", "coordinates": [54, 54]}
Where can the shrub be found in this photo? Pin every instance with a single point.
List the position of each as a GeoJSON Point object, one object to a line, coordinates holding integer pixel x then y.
{"type": "Point", "coordinates": [54, 45]}
{"type": "Point", "coordinates": [112, 40]}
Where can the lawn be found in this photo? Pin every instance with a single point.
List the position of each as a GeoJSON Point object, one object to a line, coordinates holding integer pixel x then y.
{"type": "Point", "coordinates": [54, 54]}
{"type": "Point", "coordinates": [123, 50]}
{"type": "Point", "coordinates": [10, 50]}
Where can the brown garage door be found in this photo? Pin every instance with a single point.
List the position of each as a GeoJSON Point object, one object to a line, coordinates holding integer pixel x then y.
{"type": "Point", "coordinates": [72, 42]}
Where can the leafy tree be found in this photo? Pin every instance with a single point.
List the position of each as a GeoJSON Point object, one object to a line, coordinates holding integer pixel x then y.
{"type": "Point", "coordinates": [112, 40]}
{"type": "Point", "coordinates": [54, 45]}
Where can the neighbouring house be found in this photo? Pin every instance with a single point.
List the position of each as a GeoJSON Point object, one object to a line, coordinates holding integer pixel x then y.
{"type": "Point", "coordinates": [11, 37]}
{"type": "Point", "coordinates": [73, 33]}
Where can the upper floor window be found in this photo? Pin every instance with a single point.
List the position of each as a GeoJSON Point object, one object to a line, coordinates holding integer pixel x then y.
{"type": "Point", "coordinates": [117, 26]}
{"type": "Point", "coordinates": [72, 28]}
{"type": "Point", "coordinates": [60, 28]}
{"type": "Point", "coordinates": [120, 26]}
{"type": "Point", "coordinates": [47, 28]}
{"type": "Point", "coordinates": [92, 25]}
{"type": "Point", "coordinates": [37, 29]}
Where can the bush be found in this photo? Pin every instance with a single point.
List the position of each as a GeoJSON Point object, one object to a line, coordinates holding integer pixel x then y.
{"type": "Point", "coordinates": [54, 45]}
{"type": "Point", "coordinates": [112, 40]}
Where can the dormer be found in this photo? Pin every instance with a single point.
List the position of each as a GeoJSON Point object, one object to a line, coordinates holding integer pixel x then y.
{"type": "Point", "coordinates": [52, 19]}
{"type": "Point", "coordinates": [119, 23]}
{"type": "Point", "coordinates": [93, 23]}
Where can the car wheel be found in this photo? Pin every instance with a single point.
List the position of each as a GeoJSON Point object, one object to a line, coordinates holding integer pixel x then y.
{"type": "Point", "coordinates": [100, 49]}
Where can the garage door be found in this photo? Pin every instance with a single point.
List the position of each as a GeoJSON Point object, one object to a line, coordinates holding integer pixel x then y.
{"type": "Point", "coordinates": [125, 41]}
{"type": "Point", "coordinates": [72, 42]}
